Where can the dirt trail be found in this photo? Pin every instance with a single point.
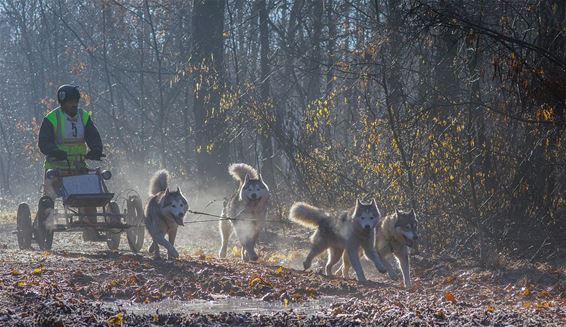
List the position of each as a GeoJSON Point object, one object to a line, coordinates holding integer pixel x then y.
{"type": "Point", "coordinates": [84, 284]}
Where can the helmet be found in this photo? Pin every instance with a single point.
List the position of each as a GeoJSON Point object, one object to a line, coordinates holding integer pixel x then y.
{"type": "Point", "coordinates": [67, 92]}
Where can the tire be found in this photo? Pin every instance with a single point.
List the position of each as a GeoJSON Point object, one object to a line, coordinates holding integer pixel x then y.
{"type": "Point", "coordinates": [43, 235]}
{"type": "Point", "coordinates": [24, 227]}
{"type": "Point", "coordinates": [134, 217]}
{"type": "Point", "coordinates": [113, 236]}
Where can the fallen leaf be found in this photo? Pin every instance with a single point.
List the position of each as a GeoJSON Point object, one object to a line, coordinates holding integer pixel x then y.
{"type": "Point", "coordinates": [544, 305]}
{"type": "Point", "coordinates": [525, 291]}
{"type": "Point", "coordinates": [200, 254]}
{"type": "Point", "coordinates": [285, 301]}
{"type": "Point", "coordinates": [448, 296]}
{"type": "Point", "coordinates": [311, 293]}
{"type": "Point", "coordinates": [279, 270]}
{"type": "Point", "coordinates": [38, 270]}
{"type": "Point", "coordinates": [297, 296]}
{"type": "Point", "coordinates": [21, 283]}
{"type": "Point", "coordinates": [440, 314]}
{"type": "Point", "coordinates": [544, 294]}
{"type": "Point", "coordinates": [132, 280]}
{"type": "Point", "coordinates": [117, 320]}
{"type": "Point", "coordinates": [255, 280]}
{"type": "Point", "coordinates": [15, 272]}
{"type": "Point", "coordinates": [490, 309]}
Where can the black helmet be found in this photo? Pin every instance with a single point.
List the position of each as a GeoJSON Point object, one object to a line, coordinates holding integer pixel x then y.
{"type": "Point", "coordinates": [68, 92]}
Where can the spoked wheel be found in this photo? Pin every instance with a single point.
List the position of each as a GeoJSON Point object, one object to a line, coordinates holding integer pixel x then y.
{"type": "Point", "coordinates": [24, 226]}
{"type": "Point", "coordinates": [43, 234]}
{"type": "Point", "coordinates": [113, 236]}
{"type": "Point", "coordinates": [134, 217]}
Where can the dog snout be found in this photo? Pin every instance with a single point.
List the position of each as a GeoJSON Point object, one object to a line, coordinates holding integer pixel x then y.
{"type": "Point", "coordinates": [254, 196]}
{"type": "Point", "coordinates": [367, 227]}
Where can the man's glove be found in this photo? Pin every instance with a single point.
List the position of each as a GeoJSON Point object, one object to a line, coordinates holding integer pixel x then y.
{"type": "Point", "coordinates": [58, 154]}
{"type": "Point", "coordinates": [94, 155]}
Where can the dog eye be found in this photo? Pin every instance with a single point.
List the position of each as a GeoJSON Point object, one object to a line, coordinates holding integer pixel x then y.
{"type": "Point", "coordinates": [174, 206]}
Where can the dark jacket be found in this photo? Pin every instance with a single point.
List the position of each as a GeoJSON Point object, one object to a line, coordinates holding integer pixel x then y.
{"type": "Point", "coordinates": [47, 142]}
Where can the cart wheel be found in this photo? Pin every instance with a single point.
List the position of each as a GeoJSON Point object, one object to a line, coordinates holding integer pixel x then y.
{"type": "Point", "coordinates": [134, 217]}
{"type": "Point", "coordinates": [113, 235]}
{"type": "Point", "coordinates": [43, 235]}
{"type": "Point", "coordinates": [24, 226]}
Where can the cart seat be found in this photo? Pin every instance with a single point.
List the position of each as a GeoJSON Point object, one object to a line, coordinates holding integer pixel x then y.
{"type": "Point", "coordinates": [84, 191]}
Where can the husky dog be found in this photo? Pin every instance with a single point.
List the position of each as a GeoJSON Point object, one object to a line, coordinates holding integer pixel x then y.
{"type": "Point", "coordinates": [342, 234]}
{"type": "Point", "coordinates": [395, 235]}
{"type": "Point", "coordinates": [246, 211]}
{"type": "Point", "coordinates": [163, 213]}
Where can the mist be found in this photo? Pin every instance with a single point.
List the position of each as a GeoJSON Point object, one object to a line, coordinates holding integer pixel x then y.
{"type": "Point", "coordinates": [329, 100]}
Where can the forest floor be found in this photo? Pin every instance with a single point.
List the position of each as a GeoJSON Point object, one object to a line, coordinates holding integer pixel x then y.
{"type": "Point", "coordinates": [80, 283]}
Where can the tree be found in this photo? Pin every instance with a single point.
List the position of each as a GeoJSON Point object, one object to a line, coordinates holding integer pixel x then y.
{"type": "Point", "coordinates": [208, 61]}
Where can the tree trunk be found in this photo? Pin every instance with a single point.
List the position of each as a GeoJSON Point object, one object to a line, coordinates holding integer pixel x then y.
{"type": "Point", "coordinates": [266, 140]}
{"type": "Point", "coordinates": [208, 59]}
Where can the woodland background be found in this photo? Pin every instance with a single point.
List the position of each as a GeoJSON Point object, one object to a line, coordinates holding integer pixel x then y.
{"type": "Point", "coordinates": [454, 108]}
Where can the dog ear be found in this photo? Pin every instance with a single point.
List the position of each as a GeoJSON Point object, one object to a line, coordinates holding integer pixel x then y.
{"type": "Point", "coordinates": [358, 202]}
{"type": "Point", "coordinates": [373, 202]}
{"type": "Point", "coordinates": [247, 178]}
{"type": "Point", "coordinates": [356, 208]}
{"type": "Point", "coordinates": [167, 191]}
{"type": "Point", "coordinates": [260, 178]}
{"type": "Point", "coordinates": [397, 212]}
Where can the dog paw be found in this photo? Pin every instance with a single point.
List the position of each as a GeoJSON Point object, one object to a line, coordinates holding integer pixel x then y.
{"type": "Point", "coordinates": [381, 269]}
{"type": "Point", "coordinates": [362, 280]}
{"type": "Point", "coordinates": [253, 257]}
{"type": "Point", "coordinates": [393, 275]}
{"type": "Point", "coordinates": [173, 254]}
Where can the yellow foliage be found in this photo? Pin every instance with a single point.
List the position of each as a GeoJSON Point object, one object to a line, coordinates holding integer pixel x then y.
{"type": "Point", "coordinates": [116, 320]}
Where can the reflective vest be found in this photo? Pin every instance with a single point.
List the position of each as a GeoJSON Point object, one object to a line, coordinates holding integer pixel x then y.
{"type": "Point", "coordinates": [69, 137]}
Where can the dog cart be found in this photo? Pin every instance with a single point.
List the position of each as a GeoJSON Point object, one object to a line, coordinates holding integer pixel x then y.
{"type": "Point", "coordinates": [83, 203]}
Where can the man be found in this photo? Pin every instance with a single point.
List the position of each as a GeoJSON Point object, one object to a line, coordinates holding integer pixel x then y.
{"type": "Point", "coordinates": [66, 132]}
{"type": "Point", "coordinates": [65, 136]}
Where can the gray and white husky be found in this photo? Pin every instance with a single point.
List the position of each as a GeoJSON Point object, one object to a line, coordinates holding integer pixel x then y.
{"type": "Point", "coordinates": [246, 209]}
{"type": "Point", "coordinates": [395, 235]}
{"type": "Point", "coordinates": [343, 234]}
{"type": "Point", "coordinates": [164, 212]}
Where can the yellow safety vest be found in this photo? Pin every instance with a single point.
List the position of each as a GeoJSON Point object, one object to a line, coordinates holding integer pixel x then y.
{"type": "Point", "coordinates": [75, 146]}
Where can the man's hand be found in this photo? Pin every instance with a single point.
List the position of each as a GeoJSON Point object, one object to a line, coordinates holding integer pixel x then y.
{"type": "Point", "coordinates": [58, 154]}
{"type": "Point", "coordinates": [94, 155]}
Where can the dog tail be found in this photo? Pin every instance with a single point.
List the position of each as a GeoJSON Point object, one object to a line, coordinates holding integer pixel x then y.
{"type": "Point", "coordinates": [307, 215]}
{"type": "Point", "coordinates": [158, 182]}
{"type": "Point", "coordinates": [240, 170]}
